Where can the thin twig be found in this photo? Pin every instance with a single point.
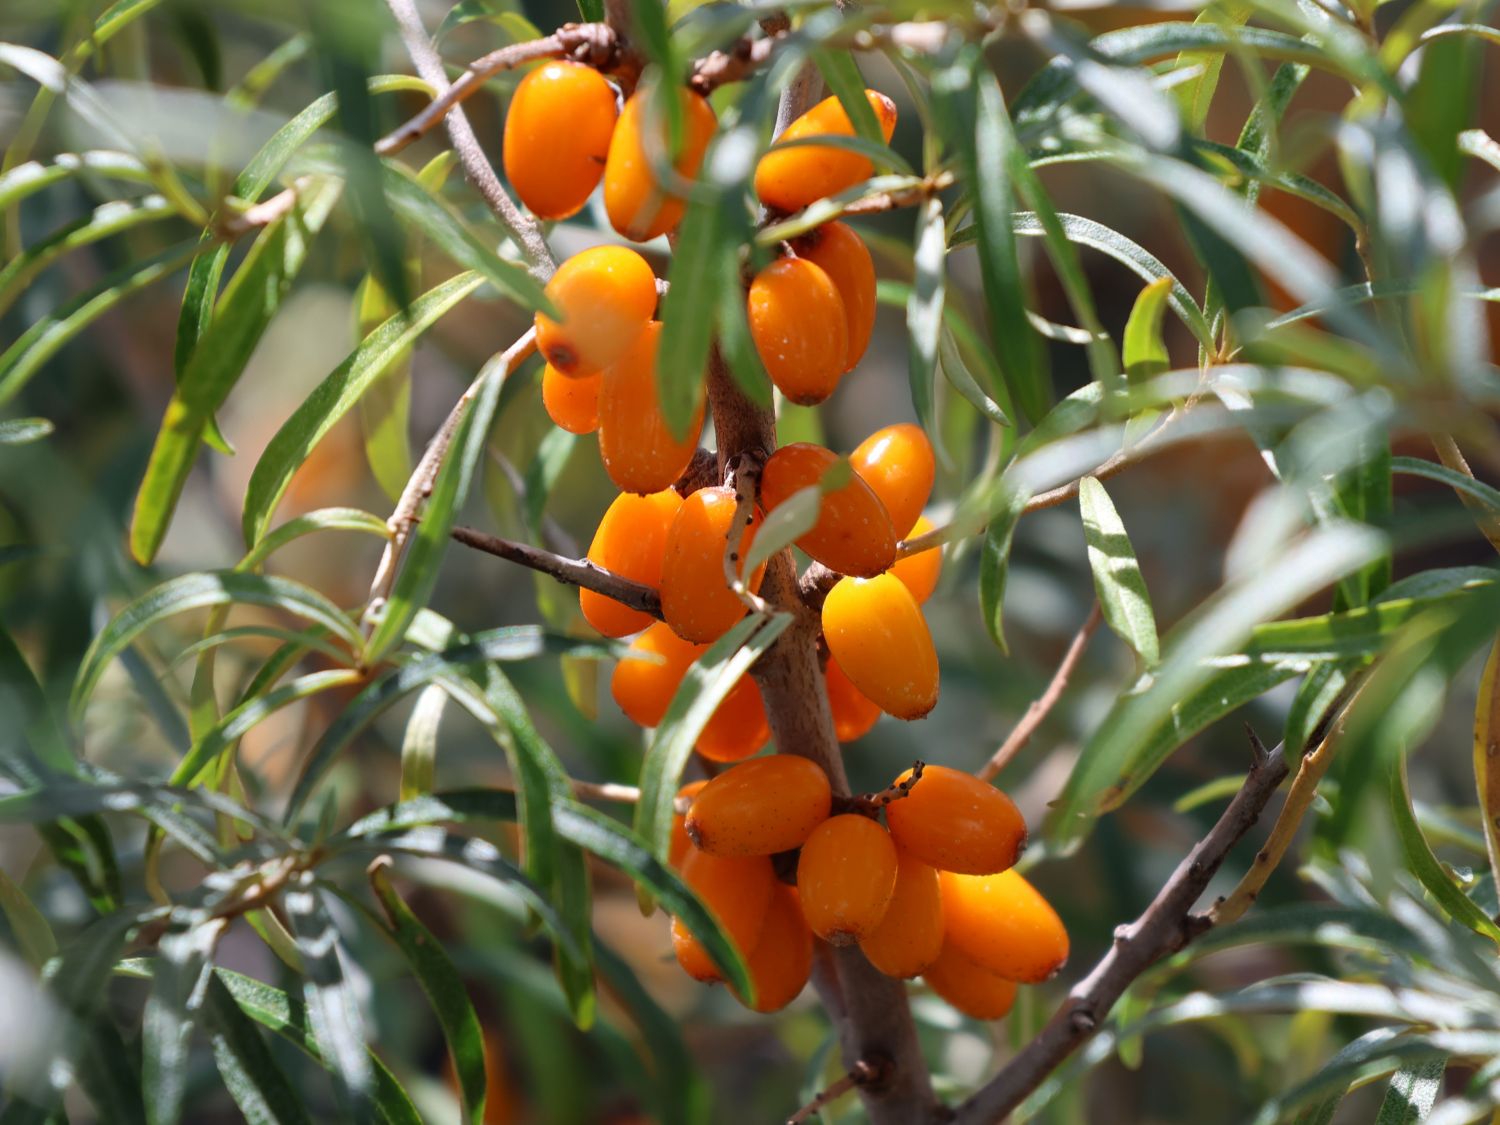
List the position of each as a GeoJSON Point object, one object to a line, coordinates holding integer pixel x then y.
{"type": "Point", "coordinates": [1042, 706]}
{"type": "Point", "coordinates": [871, 803]}
{"type": "Point", "coordinates": [744, 473]}
{"type": "Point", "coordinates": [1164, 928]}
{"type": "Point", "coordinates": [862, 1073]}
{"type": "Point", "coordinates": [574, 572]}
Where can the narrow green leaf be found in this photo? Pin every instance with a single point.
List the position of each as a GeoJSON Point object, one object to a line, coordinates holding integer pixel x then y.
{"type": "Point", "coordinates": [419, 744]}
{"type": "Point", "coordinates": [1425, 865]}
{"type": "Point", "coordinates": [924, 309]}
{"type": "Point", "coordinates": [27, 179]}
{"type": "Point", "coordinates": [994, 566]}
{"type": "Point", "coordinates": [841, 73]}
{"type": "Point", "coordinates": [1413, 1091]}
{"type": "Point", "coordinates": [29, 927]}
{"type": "Point", "coordinates": [20, 431]}
{"type": "Point", "coordinates": [1145, 352]}
{"type": "Point", "coordinates": [688, 308]}
{"type": "Point", "coordinates": [179, 983]}
{"type": "Point", "coordinates": [257, 1084]}
{"type": "Point", "coordinates": [1123, 597]}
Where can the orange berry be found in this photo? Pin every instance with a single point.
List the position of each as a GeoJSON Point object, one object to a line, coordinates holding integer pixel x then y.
{"type": "Point", "coordinates": [788, 179]}
{"type": "Point", "coordinates": [910, 935]}
{"type": "Point", "coordinates": [846, 875]}
{"type": "Point", "coordinates": [695, 599]}
{"type": "Point", "coordinates": [920, 572]}
{"type": "Point", "coordinates": [969, 986]}
{"type": "Point", "coordinates": [760, 807]}
{"type": "Point", "coordinates": [737, 892]}
{"type": "Point", "coordinates": [605, 295]}
{"type": "Point", "coordinates": [571, 403]}
{"type": "Point", "coordinates": [853, 714]}
{"type": "Point", "coordinates": [630, 540]}
{"type": "Point", "coordinates": [956, 822]}
{"type": "Point", "coordinates": [557, 133]}
{"type": "Point", "coordinates": [680, 845]}
{"type": "Point", "coordinates": [1003, 923]}
{"type": "Point", "coordinates": [898, 464]}
{"type": "Point", "coordinates": [853, 534]}
{"type": "Point", "coordinates": [782, 961]}
{"type": "Point", "coordinates": [738, 726]}
{"type": "Point", "coordinates": [639, 204]}
{"type": "Point", "coordinates": [800, 328]}
{"type": "Point", "coordinates": [638, 448]}
{"type": "Point", "coordinates": [875, 630]}
{"type": "Point", "coordinates": [843, 256]}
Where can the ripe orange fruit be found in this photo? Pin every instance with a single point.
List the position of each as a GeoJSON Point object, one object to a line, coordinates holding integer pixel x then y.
{"type": "Point", "coordinates": [788, 179]}
{"type": "Point", "coordinates": [695, 599]}
{"type": "Point", "coordinates": [760, 807]}
{"type": "Point", "coordinates": [557, 133]}
{"type": "Point", "coordinates": [737, 892]}
{"type": "Point", "coordinates": [571, 403]}
{"type": "Point", "coordinates": [1002, 922]}
{"type": "Point", "coordinates": [738, 726]}
{"type": "Point", "coordinates": [853, 534]}
{"type": "Point", "coordinates": [853, 714]}
{"type": "Point", "coordinates": [630, 540]}
{"type": "Point", "coordinates": [874, 629]}
{"type": "Point", "coordinates": [782, 961]}
{"type": "Point", "coordinates": [843, 256]}
{"type": "Point", "coordinates": [956, 822]}
{"type": "Point", "coordinates": [638, 448]}
{"type": "Point", "coordinates": [639, 204]}
{"type": "Point", "coordinates": [969, 986]}
{"type": "Point", "coordinates": [846, 875]}
{"type": "Point", "coordinates": [605, 295]}
{"type": "Point", "coordinates": [800, 328]}
{"type": "Point", "coordinates": [897, 463]}
{"type": "Point", "coordinates": [920, 572]}
{"type": "Point", "coordinates": [680, 844]}
{"type": "Point", "coordinates": [910, 935]}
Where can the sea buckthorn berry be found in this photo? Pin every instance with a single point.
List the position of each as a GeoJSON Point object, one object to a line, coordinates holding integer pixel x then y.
{"type": "Point", "coordinates": [557, 133]}
{"type": "Point", "coordinates": [956, 822]}
{"type": "Point", "coordinates": [910, 935]}
{"type": "Point", "coordinates": [782, 961]}
{"type": "Point", "coordinates": [846, 875]}
{"type": "Point", "coordinates": [788, 179]}
{"type": "Point", "coordinates": [638, 448]}
{"type": "Point", "coordinates": [695, 599]}
{"type": "Point", "coordinates": [969, 986]}
{"type": "Point", "coordinates": [853, 534]}
{"type": "Point", "coordinates": [738, 727]}
{"type": "Point", "coordinates": [800, 329]}
{"type": "Point", "coordinates": [639, 205]}
{"type": "Point", "coordinates": [737, 892]}
{"type": "Point", "coordinates": [605, 295]}
{"type": "Point", "coordinates": [920, 572]}
{"type": "Point", "coordinates": [1004, 923]}
{"type": "Point", "coordinates": [630, 540]}
{"type": "Point", "coordinates": [875, 630]}
{"type": "Point", "coordinates": [898, 464]}
{"type": "Point", "coordinates": [843, 256]}
{"type": "Point", "coordinates": [680, 844]}
{"type": "Point", "coordinates": [571, 403]}
{"type": "Point", "coordinates": [853, 714]}
{"type": "Point", "coordinates": [760, 807]}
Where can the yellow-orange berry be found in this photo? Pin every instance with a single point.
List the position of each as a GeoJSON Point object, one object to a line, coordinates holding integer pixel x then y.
{"type": "Point", "coordinates": [910, 935]}
{"type": "Point", "coordinates": [897, 463]}
{"type": "Point", "coordinates": [737, 892]}
{"type": "Point", "coordinates": [571, 403]}
{"type": "Point", "coordinates": [788, 179]}
{"type": "Point", "coordinates": [846, 875]}
{"type": "Point", "coordinates": [557, 133]}
{"type": "Point", "coordinates": [920, 572]}
{"type": "Point", "coordinates": [800, 329]}
{"type": "Point", "coordinates": [843, 256]}
{"type": "Point", "coordinates": [875, 630]}
{"type": "Point", "coordinates": [605, 295]}
{"type": "Point", "coordinates": [630, 540]}
{"type": "Point", "coordinates": [853, 714]}
{"type": "Point", "coordinates": [640, 206]}
{"type": "Point", "coordinates": [1002, 922]}
{"type": "Point", "coordinates": [760, 807]}
{"type": "Point", "coordinates": [853, 534]}
{"type": "Point", "coordinates": [678, 849]}
{"type": "Point", "coordinates": [738, 727]}
{"type": "Point", "coordinates": [695, 599]}
{"type": "Point", "coordinates": [638, 448]}
{"type": "Point", "coordinates": [956, 822]}
{"type": "Point", "coordinates": [782, 961]}
{"type": "Point", "coordinates": [969, 986]}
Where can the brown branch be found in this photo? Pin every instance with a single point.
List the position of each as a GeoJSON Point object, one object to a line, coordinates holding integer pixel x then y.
{"type": "Point", "coordinates": [573, 572]}
{"type": "Point", "coordinates": [1042, 706]}
{"type": "Point", "coordinates": [1164, 928]}
{"type": "Point", "coordinates": [862, 1073]}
